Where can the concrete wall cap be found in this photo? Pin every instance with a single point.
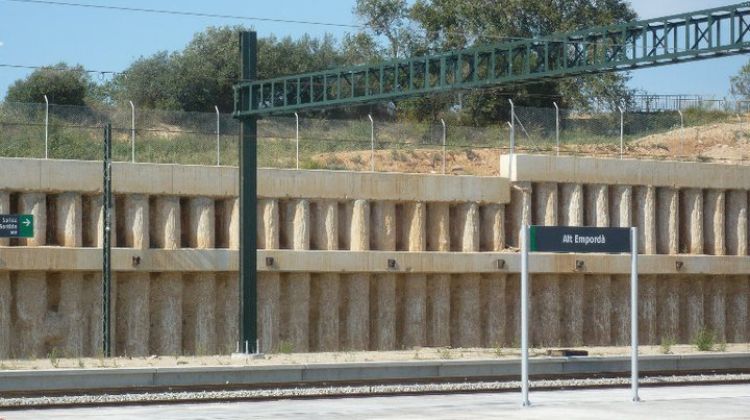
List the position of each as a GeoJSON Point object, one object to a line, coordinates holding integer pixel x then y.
{"type": "Point", "coordinates": [587, 170]}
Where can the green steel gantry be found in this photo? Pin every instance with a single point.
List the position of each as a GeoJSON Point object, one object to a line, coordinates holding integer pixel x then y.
{"type": "Point", "coordinates": [654, 42]}
{"type": "Point", "coordinates": [662, 41]}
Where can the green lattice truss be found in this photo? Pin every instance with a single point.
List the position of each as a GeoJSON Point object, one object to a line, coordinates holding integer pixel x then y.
{"type": "Point", "coordinates": [673, 39]}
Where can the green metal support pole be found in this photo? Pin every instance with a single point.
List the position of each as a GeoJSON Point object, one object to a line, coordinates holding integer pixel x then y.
{"type": "Point", "coordinates": [248, 201]}
{"type": "Point", "coordinates": [107, 245]}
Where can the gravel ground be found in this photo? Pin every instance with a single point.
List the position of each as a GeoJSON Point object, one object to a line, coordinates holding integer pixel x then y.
{"type": "Point", "coordinates": [171, 397]}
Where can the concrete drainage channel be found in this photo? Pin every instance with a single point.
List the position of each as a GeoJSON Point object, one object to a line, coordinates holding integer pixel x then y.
{"type": "Point", "coordinates": [56, 388]}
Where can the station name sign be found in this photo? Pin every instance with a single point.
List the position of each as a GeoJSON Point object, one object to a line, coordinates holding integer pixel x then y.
{"type": "Point", "coordinates": [16, 226]}
{"type": "Point", "coordinates": [580, 240]}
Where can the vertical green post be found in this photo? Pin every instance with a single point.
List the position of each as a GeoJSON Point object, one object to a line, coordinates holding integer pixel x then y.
{"type": "Point", "coordinates": [107, 245]}
{"type": "Point", "coordinates": [248, 198]}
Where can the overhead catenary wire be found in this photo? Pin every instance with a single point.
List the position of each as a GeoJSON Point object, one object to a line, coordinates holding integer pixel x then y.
{"type": "Point", "coordinates": [222, 16]}
{"type": "Point", "coordinates": [271, 20]}
{"type": "Point", "coordinates": [548, 38]}
{"type": "Point", "coordinates": [182, 13]}
{"type": "Point", "coordinates": [53, 68]}
{"type": "Point", "coordinates": [602, 42]}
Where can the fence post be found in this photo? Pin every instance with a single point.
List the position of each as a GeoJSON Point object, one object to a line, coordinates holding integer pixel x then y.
{"type": "Point", "coordinates": [622, 132]}
{"type": "Point", "coordinates": [442, 121]}
{"type": "Point", "coordinates": [218, 136]}
{"type": "Point", "coordinates": [557, 128]}
{"type": "Point", "coordinates": [46, 127]}
{"type": "Point", "coordinates": [512, 127]}
{"type": "Point", "coordinates": [132, 132]}
{"type": "Point", "coordinates": [512, 140]}
{"type": "Point", "coordinates": [682, 130]}
{"type": "Point", "coordinates": [296, 120]}
{"type": "Point", "coordinates": [372, 143]}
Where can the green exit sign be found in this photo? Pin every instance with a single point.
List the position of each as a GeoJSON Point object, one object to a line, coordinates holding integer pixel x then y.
{"type": "Point", "coordinates": [16, 226]}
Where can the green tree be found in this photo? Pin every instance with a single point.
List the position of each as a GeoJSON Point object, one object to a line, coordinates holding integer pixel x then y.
{"type": "Point", "coordinates": [461, 23]}
{"type": "Point", "coordinates": [360, 48]}
{"type": "Point", "coordinates": [451, 24]}
{"type": "Point", "coordinates": [63, 85]}
{"type": "Point", "coordinates": [203, 73]}
{"type": "Point", "coordinates": [438, 25]}
{"type": "Point", "coordinates": [388, 18]}
{"type": "Point", "coordinates": [150, 82]}
{"type": "Point", "coordinates": [206, 70]}
{"type": "Point", "coordinates": [740, 83]}
{"type": "Point", "coordinates": [285, 56]}
{"type": "Point", "coordinates": [194, 79]}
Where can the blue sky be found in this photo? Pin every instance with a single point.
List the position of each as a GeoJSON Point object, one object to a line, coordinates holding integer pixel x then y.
{"type": "Point", "coordinates": [33, 34]}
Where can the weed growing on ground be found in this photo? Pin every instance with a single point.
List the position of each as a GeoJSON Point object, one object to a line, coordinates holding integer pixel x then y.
{"type": "Point", "coordinates": [286, 347]}
{"type": "Point", "coordinates": [334, 164]}
{"type": "Point", "coordinates": [666, 344]}
{"type": "Point", "coordinates": [54, 357]}
{"type": "Point", "coordinates": [311, 164]}
{"type": "Point", "coordinates": [722, 346]}
{"type": "Point", "coordinates": [201, 351]}
{"type": "Point", "coordinates": [499, 351]}
{"type": "Point", "coordinates": [445, 353]}
{"type": "Point", "coordinates": [704, 340]}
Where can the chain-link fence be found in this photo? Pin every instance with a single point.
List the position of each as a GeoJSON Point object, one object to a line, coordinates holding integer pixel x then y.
{"type": "Point", "coordinates": [157, 136]}
{"type": "Point", "coordinates": [76, 132]}
{"type": "Point", "coordinates": [656, 103]}
{"type": "Point", "coordinates": [691, 134]}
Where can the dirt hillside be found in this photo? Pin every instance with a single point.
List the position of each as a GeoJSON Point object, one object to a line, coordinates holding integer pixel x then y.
{"type": "Point", "coordinates": [721, 143]}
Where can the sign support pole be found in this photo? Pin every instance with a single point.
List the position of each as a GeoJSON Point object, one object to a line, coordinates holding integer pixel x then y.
{"type": "Point", "coordinates": [524, 236]}
{"type": "Point", "coordinates": [634, 311]}
{"type": "Point", "coordinates": [577, 240]}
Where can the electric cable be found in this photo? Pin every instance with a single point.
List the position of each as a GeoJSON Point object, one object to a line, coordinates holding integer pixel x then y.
{"type": "Point", "coordinates": [182, 13]}
{"type": "Point", "coordinates": [263, 19]}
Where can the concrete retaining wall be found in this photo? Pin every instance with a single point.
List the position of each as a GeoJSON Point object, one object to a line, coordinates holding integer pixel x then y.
{"type": "Point", "coordinates": [331, 234]}
{"type": "Point", "coordinates": [679, 208]}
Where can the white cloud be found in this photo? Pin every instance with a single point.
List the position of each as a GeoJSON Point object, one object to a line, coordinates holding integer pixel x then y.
{"type": "Point", "coordinates": [1, 43]}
